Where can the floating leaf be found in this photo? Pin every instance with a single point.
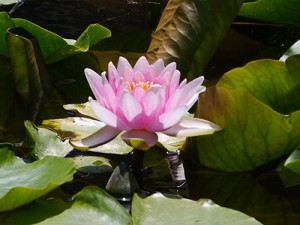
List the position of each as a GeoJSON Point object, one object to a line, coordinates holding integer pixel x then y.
{"type": "Point", "coordinates": [46, 142]}
{"type": "Point", "coordinates": [53, 47]}
{"type": "Point", "coordinates": [92, 206]}
{"type": "Point", "coordinates": [35, 212]}
{"type": "Point", "coordinates": [77, 128]}
{"type": "Point", "coordinates": [175, 210]}
{"type": "Point", "coordinates": [293, 161]}
{"type": "Point", "coordinates": [189, 33]}
{"type": "Point", "coordinates": [258, 108]}
{"type": "Point", "coordinates": [22, 183]}
{"type": "Point", "coordinates": [276, 11]}
{"type": "Point", "coordinates": [92, 164]}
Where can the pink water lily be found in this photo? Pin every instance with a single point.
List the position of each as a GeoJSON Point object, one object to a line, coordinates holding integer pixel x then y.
{"type": "Point", "coordinates": [142, 101]}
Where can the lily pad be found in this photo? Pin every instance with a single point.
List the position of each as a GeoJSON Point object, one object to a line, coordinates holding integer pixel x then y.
{"type": "Point", "coordinates": [92, 206]}
{"type": "Point", "coordinates": [53, 47]}
{"type": "Point", "coordinates": [258, 108]}
{"type": "Point", "coordinates": [35, 212]}
{"type": "Point", "coordinates": [276, 11]}
{"type": "Point", "coordinates": [22, 183]}
{"type": "Point", "coordinates": [293, 161]}
{"type": "Point", "coordinates": [159, 209]}
{"type": "Point", "coordinates": [78, 127]}
{"type": "Point", "coordinates": [92, 164]}
{"type": "Point", "coordinates": [46, 142]}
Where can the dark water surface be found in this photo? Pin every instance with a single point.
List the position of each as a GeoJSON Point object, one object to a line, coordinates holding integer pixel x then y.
{"type": "Point", "coordinates": [262, 196]}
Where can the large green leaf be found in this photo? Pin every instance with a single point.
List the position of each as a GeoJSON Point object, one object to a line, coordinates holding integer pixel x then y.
{"type": "Point", "coordinates": [53, 47]}
{"type": "Point", "coordinates": [190, 31]}
{"type": "Point", "coordinates": [158, 209]}
{"type": "Point", "coordinates": [22, 183]}
{"type": "Point", "coordinates": [276, 11]}
{"type": "Point", "coordinates": [92, 206]}
{"type": "Point", "coordinates": [258, 108]}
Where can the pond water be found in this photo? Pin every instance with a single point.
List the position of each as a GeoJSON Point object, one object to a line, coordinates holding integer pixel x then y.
{"type": "Point", "coordinates": [261, 195]}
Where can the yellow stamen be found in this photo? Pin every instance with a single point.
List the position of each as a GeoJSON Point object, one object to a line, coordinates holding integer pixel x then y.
{"type": "Point", "coordinates": [144, 85]}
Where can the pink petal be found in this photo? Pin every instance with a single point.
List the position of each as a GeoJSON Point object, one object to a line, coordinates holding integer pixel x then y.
{"type": "Point", "coordinates": [95, 81]}
{"type": "Point", "coordinates": [130, 107]}
{"type": "Point", "coordinates": [169, 68]}
{"type": "Point", "coordinates": [158, 66]}
{"type": "Point", "coordinates": [141, 64]}
{"type": "Point", "coordinates": [122, 64]}
{"type": "Point", "coordinates": [128, 74]}
{"type": "Point", "coordinates": [138, 93]}
{"type": "Point", "coordinates": [192, 127]}
{"type": "Point", "coordinates": [106, 116]}
{"type": "Point", "coordinates": [187, 94]}
{"type": "Point", "coordinates": [140, 139]}
{"type": "Point", "coordinates": [113, 76]}
{"type": "Point", "coordinates": [100, 137]}
{"type": "Point", "coordinates": [168, 119]}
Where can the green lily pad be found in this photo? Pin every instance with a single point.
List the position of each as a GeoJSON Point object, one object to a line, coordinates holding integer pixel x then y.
{"type": "Point", "coordinates": [258, 108]}
{"type": "Point", "coordinates": [83, 109]}
{"type": "Point", "coordinates": [293, 161]}
{"type": "Point", "coordinates": [22, 183]}
{"type": "Point", "coordinates": [189, 33]}
{"type": "Point", "coordinates": [53, 47]}
{"type": "Point", "coordinates": [92, 206]}
{"type": "Point", "coordinates": [46, 142]}
{"type": "Point", "coordinates": [159, 209]}
{"type": "Point", "coordinates": [8, 2]}
{"type": "Point", "coordinates": [92, 164]}
{"type": "Point", "coordinates": [34, 212]}
{"type": "Point", "coordinates": [276, 11]}
{"type": "Point", "coordinates": [78, 127]}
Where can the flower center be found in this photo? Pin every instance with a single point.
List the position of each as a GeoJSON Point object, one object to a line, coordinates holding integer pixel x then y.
{"type": "Point", "coordinates": [144, 85]}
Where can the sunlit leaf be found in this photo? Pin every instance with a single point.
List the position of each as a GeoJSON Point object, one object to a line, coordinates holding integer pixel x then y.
{"type": "Point", "coordinates": [92, 164]}
{"type": "Point", "coordinates": [190, 31]}
{"type": "Point", "coordinates": [83, 109]}
{"type": "Point", "coordinates": [159, 209]}
{"type": "Point", "coordinates": [22, 183]}
{"type": "Point", "coordinates": [276, 11]}
{"type": "Point", "coordinates": [92, 206]}
{"type": "Point", "coordinates": [77, 128]}
{"type": "Point", "coordinates": [258, 108]}
{"type": "Point", "coordinates": [293, 50]}
{"type": "Point", "coordinates": [293, 161]}
{"type": "Point", "coordinates": [46, 142]}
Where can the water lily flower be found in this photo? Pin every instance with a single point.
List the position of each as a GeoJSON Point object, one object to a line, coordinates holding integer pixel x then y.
{"type": "Point", "coordinates": [141, 102]}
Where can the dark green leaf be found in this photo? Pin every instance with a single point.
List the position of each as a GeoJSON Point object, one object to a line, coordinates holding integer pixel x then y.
{"type": "Point", "coordinates": [276, 11]}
